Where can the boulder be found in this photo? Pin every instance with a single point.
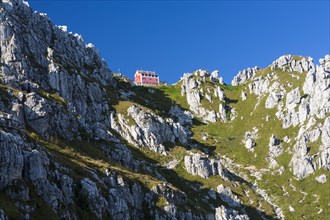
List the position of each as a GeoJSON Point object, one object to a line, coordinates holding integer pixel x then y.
{"type": "Point", "coordinates": [321, 179]}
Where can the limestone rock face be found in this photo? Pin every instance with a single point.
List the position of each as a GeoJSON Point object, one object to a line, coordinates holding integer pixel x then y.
{"type": "Point", "coordinates": [50, 63]}
{"type": "Point", "coordinates": [37, 110]}
{"type": "Point", "coordinates": [273, 100]}
{"type": "Point", "coordinates": [95, 201]}
{"type": "Point", "coordinates": [288, 62]}
{"type": "Point", "coordinates": [275, 150]}
{"type": "Point", "coordinates": [244, 75]}
{"type": "Point", "coordinates": [197, 164]}
{"type": "Point", "coordinates": [190, 88]}
{"type": "Point", "coordinates": [67, 147]}
{"type": "Point", "coordinates": [11, 158]}
{"type": "Point", "coordinates": [276, 94]}
{"type": "Point", "coordinates": [315, 101]}
{"type": "Point", "coordinates": [222, 113]}
{"type": "Point", "coordinates": [36, 164]}
{"type": "Point", "coordinates": [150, 130]}
{"type": "Point", "coordinates": [324, 149]}
{"type": "Point", "coordinates": [223, 213]}
{"type": "Point", "coordinates": [183, 117]}
{"type": "Point", "coordinates": [259, 85]}
{"type": "Point", "coordinates": [317, 86]}
{"type": "Point", "coordinates": [302, 164]}
{"type": "Point", "coordinates": [227, 196]}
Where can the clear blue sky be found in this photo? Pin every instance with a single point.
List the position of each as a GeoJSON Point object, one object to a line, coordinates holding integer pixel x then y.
{"type": "Point", "coordinates": [174, 37]}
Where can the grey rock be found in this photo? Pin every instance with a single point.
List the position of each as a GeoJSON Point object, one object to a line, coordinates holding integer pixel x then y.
{"type": "Point", "coordinates": [190, 88]}
{"type": "Point", "coordinates": [244, 75]}
{"type": "Point", "coordinates": [35, 165]}
{"type": "Point", "coordinates": [149, 130]}
{"type": "Point", "coordinates": [96, 202]}
{"type": "Point", "coordinates": [281, 62]}
{"type": "Point", "coordinates": [18, 190]}
{"type": "Point", "coordinates": [223, 213]}
{"type": "Point", "coordinates": [212, 194]}
{"type": "Point", "coordinates": [316, 86]}
{"type": "Point", "coordinates": [321, 179]}
{"type": "Point", "coordinates": [227, 196]}
{"type": "Point", "coordinates": [50, 193]}
{"type": "Point", "coordinates": [183, 117]}
{"type": "Point", "coordinates": [249, 144]}
{"type": "Point", "coordinates": [171, 210]}
{"type": "Point", "coordinates": [273, 99]}
{"type": "Point", "coordinates": [289, 63]}
{"type": "Point", "coordinates": [292, 98]}
{"type": "Point", "coordinates": [324, 149]}
{"type": "Point", "coordinates": [3, 215]}
{"type": "Point", "coordinates": [120, 210]}
{"type": "Point", "coordinates": [259, 85]}
{"type": "Point", "coordinates": [171, 195]}
{"type": "Point", "coordinates": [249, 139]}
{"type": "Point", "coordinates": [215, 76]}
{"type": "Point", "coordinates": [301, 163]}
{"type": "Point", "coordinates": [221, 81]}
{"type": "Point", "coordinates": [243, 96]}
{"type": "Point", "coordinates": [222, 113]}
{"type": "Point", "coordinates": [11, 158]}
{"type": "Point", "coordinates": [67, 187]}
{"type": "Point", "coordinates": [218, 92]}
{"type": "Point", "coordinates": [197, 164]}
{"type": "Point", "coordinates": [275, 150]}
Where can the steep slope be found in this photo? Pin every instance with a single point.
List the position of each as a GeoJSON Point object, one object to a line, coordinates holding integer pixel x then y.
{"type": "Point", "coordinates": [59, 156]}
{"type": "Point", "coordinates": [275, 123]}
{"type": "Point", "coordinates": [77, 142]}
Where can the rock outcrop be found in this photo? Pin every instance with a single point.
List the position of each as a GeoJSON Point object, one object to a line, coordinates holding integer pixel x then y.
{"type": "Point", "coordinates": [191, 88]}
{"type": "Point", "coordinates": [223, 213]}
{"type": "Point", "coordinates": [244, 75]}
{"type": "Point", "coordinates": [55, 94]}
{"type": "Point", "coordinates": [197, 164]}
{"type": "Point", "coordinates": [227, 196]}
{"type": "Point", "coordinates": [76, 142]}
{"type": "Point", "coordinates": [275, 150]}
{"type": "Point", "coordinates": [149, 130]}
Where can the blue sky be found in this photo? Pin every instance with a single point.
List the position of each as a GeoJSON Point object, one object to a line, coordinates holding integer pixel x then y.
{"type": "Point", "coordinates": [174, 37]}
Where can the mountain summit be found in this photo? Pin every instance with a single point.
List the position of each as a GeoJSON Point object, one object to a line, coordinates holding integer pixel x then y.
{"type": "Point", "coordinates": [78, 142]}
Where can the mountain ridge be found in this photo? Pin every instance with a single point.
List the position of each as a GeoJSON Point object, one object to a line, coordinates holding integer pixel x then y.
{"type": "Point", "coordinates": [77, 142]}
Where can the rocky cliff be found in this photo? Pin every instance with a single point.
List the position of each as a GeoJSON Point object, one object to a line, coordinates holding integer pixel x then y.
{"type": "Point", "coordinates": [78, 142]}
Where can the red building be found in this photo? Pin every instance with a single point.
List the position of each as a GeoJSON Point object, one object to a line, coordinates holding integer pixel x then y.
{"type": "Point", "coordinates": [146, 78]}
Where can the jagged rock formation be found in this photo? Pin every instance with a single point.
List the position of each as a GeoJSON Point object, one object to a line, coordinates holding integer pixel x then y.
{"type": "Point", "coordinates": [76, 142]}
{"type": "Point", "coordinates": [194, 96]}
{"type": "Point", "coordinates": [244, 75]}
{"type": "Point", "coordinates": [55, 85]}
{"type": "Point", "coordinates": [223, 213]}
{"type": "Point", "coordinates": [227, 196]}
{"type": "Point", "coordinates": [295, 108]}
{"type": "Point", "coordinates": [275, 150]}
{"type": "Point", "coordinates": [203, 166]}
{"type": "Point", "coordinates": [190, 87]}
{"type": "Point", "coordinates": [149, 130]}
